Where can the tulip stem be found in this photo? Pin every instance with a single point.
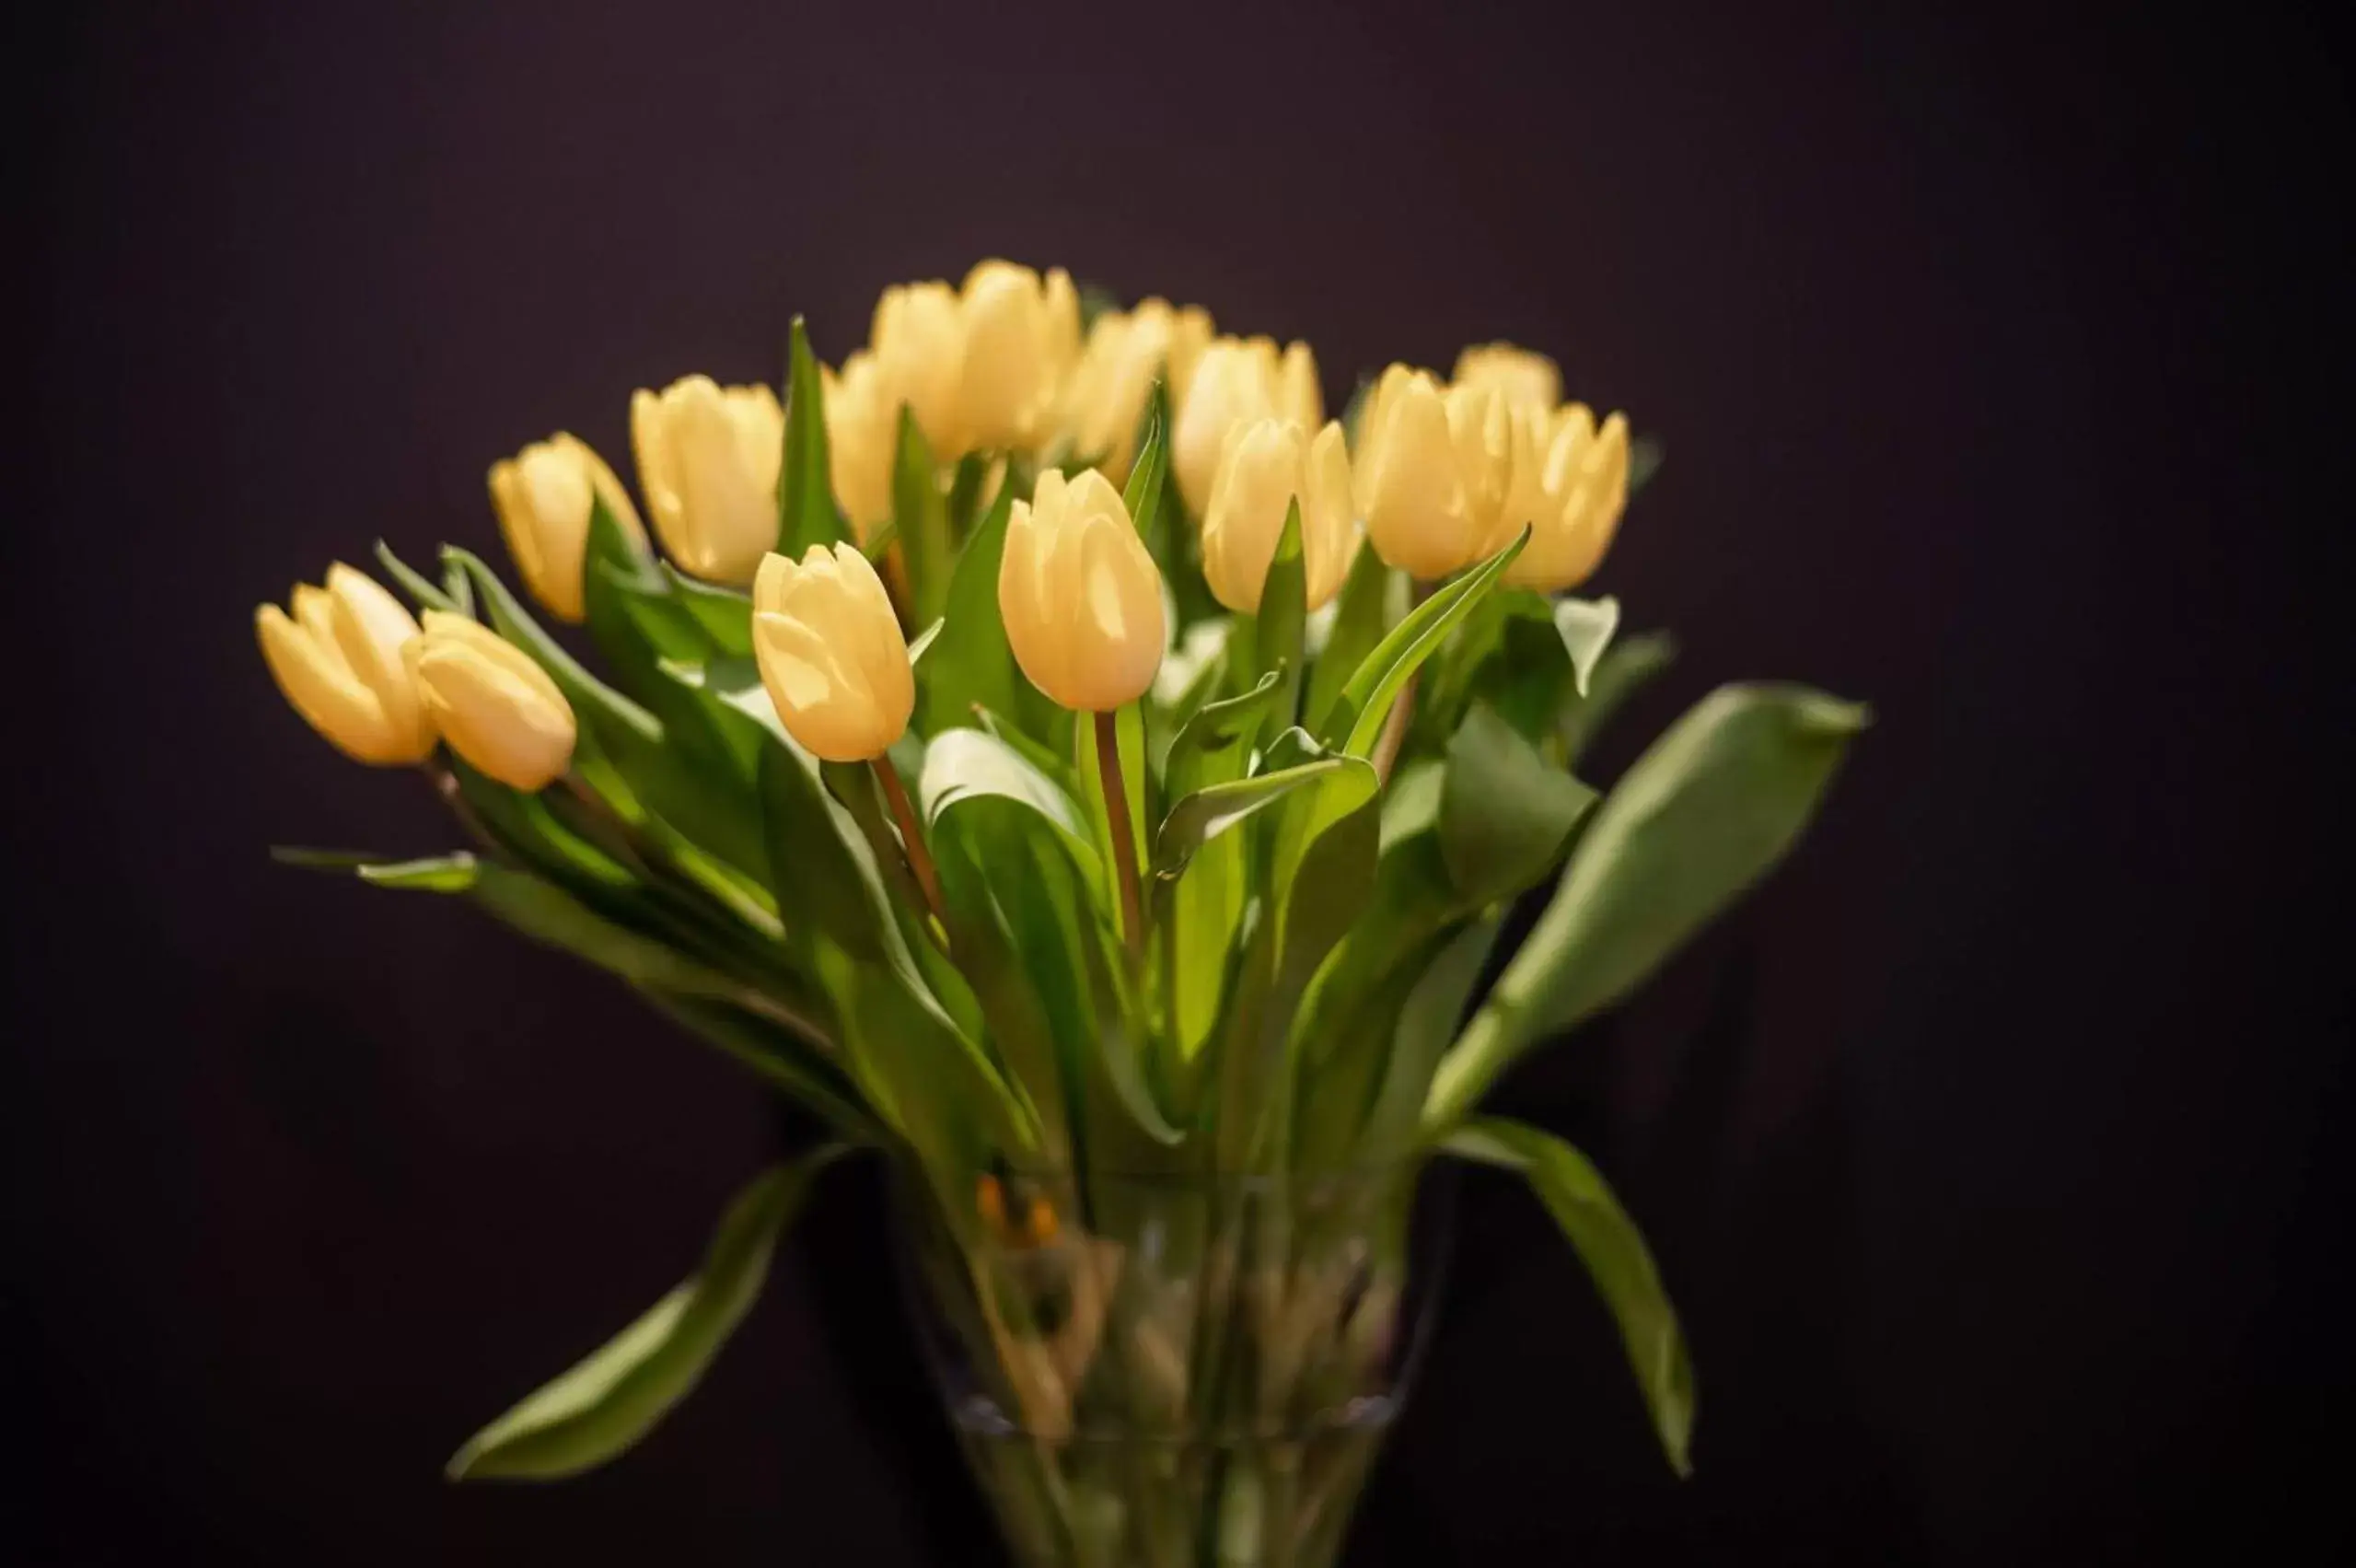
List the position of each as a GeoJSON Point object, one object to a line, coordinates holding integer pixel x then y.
{"type": "Point", "coordinates": [445, 785]}
{"type": "Point", "coordinates": [920, 859]}
{"type": "Point", "coordinates": [1124, 840]}
{"type": "Point", "coordinates": [1393, 738]}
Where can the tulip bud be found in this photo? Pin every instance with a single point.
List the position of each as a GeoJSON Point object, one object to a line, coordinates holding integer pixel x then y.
{"type": "Point", "coordinates": [1080, 598]}
{"type": "Point", "coordinates": [1573, 506]}
{"type": "Point", "coordinates": [1234, 382]}
{"type": "Point", "coordinates": [861, 441]}
{"type": "Point", "coordinates": [543, 495]}
{"type": "Point", "coordinates": [708, 458]}
{"type": "Point", "coordinates": [1268, 465]}
{"type": "Point", "coordinates": [1522, 378]}
{"type": "Point", "coordinates": [918, 339]}
{"type": "Point", "coordinates": [1420, 511]}
{"type": "Point", "coordinates": [1020, 336]}
{"type": "Point", "coordinates": [830, 652]}
{"type": "Point", "coordinates": [1104, 398]}
{"type": "Point", "coordinates": [1298, 396]}
{"type": "Point", "coordinates": [494, 706]}
{"type": "Point", "coordinates": [338, 660]}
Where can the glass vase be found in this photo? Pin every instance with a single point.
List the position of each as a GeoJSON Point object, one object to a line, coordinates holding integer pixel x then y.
{"type": "Point", "coordinates": [1171, 1370]}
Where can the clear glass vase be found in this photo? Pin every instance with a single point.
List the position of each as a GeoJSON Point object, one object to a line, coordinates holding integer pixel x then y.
{"type": "Point", "coordinates": [1175, 1371]}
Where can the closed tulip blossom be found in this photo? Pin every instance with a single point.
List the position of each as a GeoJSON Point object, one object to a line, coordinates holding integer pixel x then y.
{"type": "Point", "coordinates": [1522, 378]}
{"type": "Point", "coordinates": [917, 340]}
{"type": "Point", "coordinates": [338, 659]}
{"type": "Point", "coordinates": [1268, 465]}
{"type": "Point", "coordinates": [1235, 381]}
{"type": "Point", "coordinates": [1127, 352]}
{"type": "Point", "coordinates": [1423, 509]}
{"type": "Point", "coordinates": [543, 496]}
{"type": "Point", "coordinates": [708, 458]}
{"type": "Point", "coordinates": [1021, 336]}
{"type": "Point", "coordinates": [861, 440]}
{"type": "Point", "coordinates": [497, 708]}
{"type": "Point", "coordinates": [1080, 598]}
{"type": "Point", "coordinates": [1570, 492]}
{"type": "Point", "coordinates": [830, 652]}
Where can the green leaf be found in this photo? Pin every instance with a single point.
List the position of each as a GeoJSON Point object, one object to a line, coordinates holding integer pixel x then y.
{"type": "Point", "coordinates": [1700, 817]}
{"type": "Point", "coordinates": [1358, 713]}
{"type": "Point", "coordinates": [602, 1407]}
{"type": "Point", "coordinates": [1359, 622]}
{"type": "Point", "coordinates": [805, 514]}
{"type": "Point", "coordinates": [1613, 1249]}
{"type": "Point", "coordinates": [921, 517]}
{"type": "Point", "coordinates": [971, 664]}
{"type": "Point", "coordinates": [1506, 814]}
{"type": "Point", "coordinates": [1143, 494]}
{"type": "Point", "coordinates": [1202, 816]}
{"type": "Point", "coordinates": [725, 614]}
{"type": "Point", "coordinates": [428, 594]}
{"type": "Point", "coordinates": [1624, 669]}
{"type": "Point", "coordinates": [1427, 1024]}
{"type": "Point", "coordinates": [1272, 639]}
{"type": "Point", "coordinates": [819, 866]}
{"type": "Point", "coordinates": [964, 764]}
{"type": "Point", "coordinates": [1214, 744]}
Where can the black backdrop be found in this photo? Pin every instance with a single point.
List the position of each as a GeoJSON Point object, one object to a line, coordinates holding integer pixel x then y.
{"type": "Point", "coordinates": [1990, 1154]}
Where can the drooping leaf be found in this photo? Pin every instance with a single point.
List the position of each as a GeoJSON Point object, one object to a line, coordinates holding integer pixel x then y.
{"type": "Point", "coordinates": [920, 515]}
{"type": "Point", "coordinates": [1694, 822]}
{"type": "Point", "coordinates": [1356, 720]}
{"type": "Point", "coordinates": [437, 873]}
{"type": "Point", "coordinates": [725, 614]}
{"type": "Point", "coordinates": [607, 1403]}
{"type": "Point", "coordinates": [964, 763]}
{"type": "Point", "coordinates": [1506, 814]}
{"type": "Point", "coordinates": [1215, 742]}
{"type": "Point", "coordinates": [1586, 626]}
{"type": "Point", "coordinates": [806, 513]}
{"type": "Point", "coordinates": [1199, 817]}
{"type": "Point", "coordinates": [1613, 1249]}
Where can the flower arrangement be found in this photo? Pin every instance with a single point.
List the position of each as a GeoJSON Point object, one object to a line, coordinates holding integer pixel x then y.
{"type": "Point", "coordinates": [1071, 767]}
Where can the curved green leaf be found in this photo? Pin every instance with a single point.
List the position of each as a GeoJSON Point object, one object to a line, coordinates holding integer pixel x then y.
{"type": "Point", "coordinates": [1143, 494]}
{"type": "Point", "coordinates": [1359, 619]}
{"type": "Point", "coordinates": [920, 521]}
{"type": "Point", "coordinates": [725, 614]}
{"type": "Point", "coordinates": [970, 665]}
{"type": "Point", "coordinates": [1506, 814]}
{"type": "Point", "coordinates": [1202, 816]}
{"type": "Point", "coordinates": [806, 512]}
{"type": "Point", "coordinates": [962, 764]}
{"type": "Point", "coordinates": [1697, 819]}
{"type": "Point", "coordinates": [1613, 1249]}
{"type": "Point", "coordinates": [1365, 700]}
{"type": "Point", "coordinates": [602, 1407]}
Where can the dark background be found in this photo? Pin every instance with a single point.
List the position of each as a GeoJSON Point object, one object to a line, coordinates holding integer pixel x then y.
{"type": "Point", "coordinates": [1993, 1153]}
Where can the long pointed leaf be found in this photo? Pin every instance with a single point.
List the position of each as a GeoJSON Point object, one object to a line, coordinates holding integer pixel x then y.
{"type": "Point", "coordinates": [806, 513]}
{"type": "Point", "coordinates": [1613, 1249]}
{"type": "Point", "coordinates": [607, 1403]}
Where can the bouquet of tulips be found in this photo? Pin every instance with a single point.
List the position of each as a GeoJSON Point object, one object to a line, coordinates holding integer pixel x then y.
{"type": "Point", "coordinates": [1068, 764]}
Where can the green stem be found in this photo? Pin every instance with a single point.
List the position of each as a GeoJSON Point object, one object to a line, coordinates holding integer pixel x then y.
{"type": "Point", "coordinates": [1124, 839]}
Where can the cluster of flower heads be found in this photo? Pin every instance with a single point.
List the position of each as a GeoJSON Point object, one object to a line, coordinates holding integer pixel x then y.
{"type": "Point", "coordinates": [1441, 473]}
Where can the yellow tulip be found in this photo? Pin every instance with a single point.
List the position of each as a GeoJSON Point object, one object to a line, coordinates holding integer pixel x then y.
{"type": "Point", "coordinates": [918, 340]}
{"type": "Point", "coordinates": [708, 458]}
{"type": "Point", "coordinates": [339, 661]}
{"type": "Point", "coordinates": [1420, 511]}
{"type": "Point", "coordinates": [1522, 378]}
{"type": "Point", "coordinates": [1104, 398]}
{"type": "Point", "coordinates": [543, 495]}
{"type": "Point", "coordinates": [1268, 464]}
{"type": "Point", "coordinates": [1080, 598]}
{"type": "Point", "coordinates": [861, 440]}
{"type": "Point", "coordinates": [1234, 381]}
{"type": "Point", "coordinates": [830, 652]}
{"type": "Point", "coordinates": [1020, 338]}
{"type": "Point", "coordinates": [1570, 494]}
{"type": "Point", "coordinates": [494, 706]}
